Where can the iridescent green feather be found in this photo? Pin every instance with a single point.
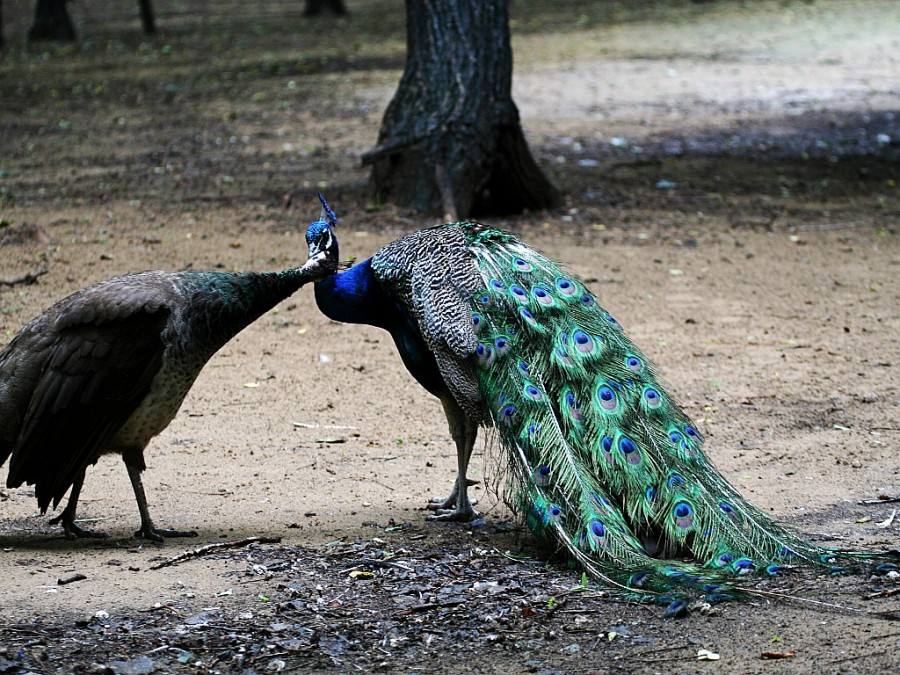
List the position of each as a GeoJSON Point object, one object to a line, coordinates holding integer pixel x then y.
{"type": "Point", "coordinates": [603, 461]}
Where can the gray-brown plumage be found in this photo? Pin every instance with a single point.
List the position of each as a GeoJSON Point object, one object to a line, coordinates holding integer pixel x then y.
{"type": "Point", "coordinates": [106, 369]}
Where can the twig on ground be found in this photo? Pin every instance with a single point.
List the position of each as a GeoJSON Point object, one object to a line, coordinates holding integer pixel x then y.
{"type": "Point", "coordinates": [28, 278]}
{"type": "Point", "coordinates": [213, 548]}
{"type": "Point", "coordinates": [880, 500]}
{"type": "Point", "coordinates": [886, 593]}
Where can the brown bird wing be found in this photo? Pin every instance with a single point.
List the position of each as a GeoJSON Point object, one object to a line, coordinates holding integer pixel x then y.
{"type": "Point", "coordinates": [95, 375]}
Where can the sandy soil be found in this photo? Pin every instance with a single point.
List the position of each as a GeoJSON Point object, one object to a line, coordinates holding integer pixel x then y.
{"type": "Point", "coordinates": [730, 173]}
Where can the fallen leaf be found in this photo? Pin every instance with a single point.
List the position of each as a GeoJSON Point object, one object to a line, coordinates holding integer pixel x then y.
{"type": "Point", "coordinates": [361, 575]}
{"type": "Point", "coordinates": [706, 655]}
{"type": "Point", "coordinates": [778, 655]}
{"type": "Point", "coordinates": [888, 520]}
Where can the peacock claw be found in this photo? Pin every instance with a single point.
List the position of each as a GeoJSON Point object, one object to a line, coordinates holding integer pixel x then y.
{"type": "Point", "coordinates": [449, 502]}
{"type": "Point", "coordinates": [456, 515]}
{"type": "Point", "coordinates": [159, 535]}
{"type": "Point", "coordinates": [73, 531]}
{"type": "Point", "coordinates": [445, 504]}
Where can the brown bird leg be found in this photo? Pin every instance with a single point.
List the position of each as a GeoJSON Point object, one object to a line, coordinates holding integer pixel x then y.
{"type": "Point", "coordinates": [67, 517]}
{"type": "Point", "coordinates": [457, 506]}
{"type": "Point", "coordinates": [148, 531]}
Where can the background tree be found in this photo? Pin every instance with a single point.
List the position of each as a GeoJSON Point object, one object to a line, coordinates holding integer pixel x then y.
{"type": "Point", "coordinates": [318, 7]}
{"type": "Point", "coordinates": [148, 23]}
{"type": "Point", "coordinates": [52, 22]}
{"type": "Point", "coordinates": [451, 141]}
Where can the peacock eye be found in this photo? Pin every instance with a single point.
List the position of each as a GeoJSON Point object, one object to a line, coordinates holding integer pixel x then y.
{"type": "Point", "coordinates": [626, 445]}
{"type": "Point", "coordinates": [565, 287]}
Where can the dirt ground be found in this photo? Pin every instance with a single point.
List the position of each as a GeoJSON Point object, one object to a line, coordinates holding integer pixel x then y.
{"type": "Point", "coordinates": [730, 172]}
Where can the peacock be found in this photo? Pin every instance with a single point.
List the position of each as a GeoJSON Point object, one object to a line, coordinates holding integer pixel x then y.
{"type": "Point", "coordinates": [105, 369]}
{"type": "Point", "coordinates": [603, 464]}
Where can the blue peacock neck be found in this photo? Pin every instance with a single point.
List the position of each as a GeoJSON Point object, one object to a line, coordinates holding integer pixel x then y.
{"type": "Point", "coordinates": [355, 296]}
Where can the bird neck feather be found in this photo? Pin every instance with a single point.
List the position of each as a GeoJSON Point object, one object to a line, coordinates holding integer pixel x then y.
{"type": "Point", "coordinates": [355, 296]}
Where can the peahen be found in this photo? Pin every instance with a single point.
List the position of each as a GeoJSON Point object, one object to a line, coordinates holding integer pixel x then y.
{"type": "Point", "coordinates": [602, 461]}
{"type": "Point", "coordinates": [105, 369]}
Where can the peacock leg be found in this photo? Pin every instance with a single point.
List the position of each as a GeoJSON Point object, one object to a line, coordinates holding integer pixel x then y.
{"type": "Point", "coordinates": [464, 431]}
{"type": "Point", "coordinates": [148, 531]}
{"type": "Point", "coordinates": [67, 517]}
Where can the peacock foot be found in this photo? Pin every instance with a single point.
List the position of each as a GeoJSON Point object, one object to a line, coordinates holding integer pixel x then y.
{"type": "Point", "coordinates": [459, 514]}
{"type": "Point", "coordinates": [445, 503]}
{"type": "Point", "coordinates": [157, 534]}
{"type": "Point", "coordinates": [72, 530]}
{"type": "Point", "coordinates": [450, 502]}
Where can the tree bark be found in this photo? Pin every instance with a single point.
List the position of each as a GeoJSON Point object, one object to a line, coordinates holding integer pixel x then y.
{"type": "Point", "coordinates": [319, 7]}
{"type": "Point", "coordinates": [451, 141]}
{"type": "Point", "coordinates": [148, 23]}
{"type": "Point", "coordinates": [51, 21]}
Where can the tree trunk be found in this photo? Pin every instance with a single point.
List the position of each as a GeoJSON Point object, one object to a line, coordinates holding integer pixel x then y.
{"type": "Point", "coordinates": [148, 23]}
{"type": "Point", "coordinates": [319, 7]}
{"type": "Point", "coordinates": [51, 21]}
{"type": "Point", "coordinates": [451, 141]}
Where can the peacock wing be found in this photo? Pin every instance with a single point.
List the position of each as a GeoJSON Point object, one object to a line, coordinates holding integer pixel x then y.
{"type": "Point", "coordinates": [98, 354]}
{"type": "Point", "coordinates": [433, 275]}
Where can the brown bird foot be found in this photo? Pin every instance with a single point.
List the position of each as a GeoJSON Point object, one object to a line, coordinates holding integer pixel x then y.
{"type": "Point", "coordinates": [463, 514]}
{"type": "Point", "coordinates": [449, 502]}
{"type": "Point", "coordinates": [159, 535]}
{"type": "Point", "coordinates": [73, 531]}
{"type": "Point", "coordinates": [446, 504]}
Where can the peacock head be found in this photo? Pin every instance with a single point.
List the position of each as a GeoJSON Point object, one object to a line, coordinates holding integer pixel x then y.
{"type": "Point", "coordinates": [322, 242]}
